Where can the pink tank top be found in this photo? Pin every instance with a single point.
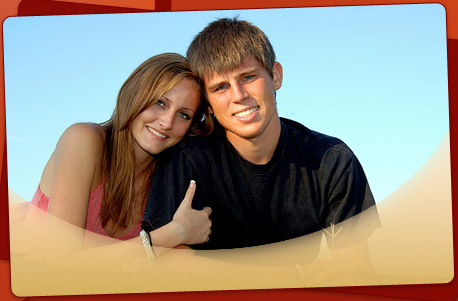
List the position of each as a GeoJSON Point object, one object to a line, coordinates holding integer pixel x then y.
{"type": "Point", "coordinates": [93, 212]}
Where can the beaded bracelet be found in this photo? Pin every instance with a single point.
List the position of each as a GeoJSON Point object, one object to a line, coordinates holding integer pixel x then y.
{"type": "Point", "coordinates": [148, 245]}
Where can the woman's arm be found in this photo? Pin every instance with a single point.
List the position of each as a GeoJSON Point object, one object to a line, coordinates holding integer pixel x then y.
{"type": "Point", "coordinates": [70, 175]}
{"type": "Point", "coordinates": [188, 226]}
{"type": "Point", "coordinates": [73, 171]}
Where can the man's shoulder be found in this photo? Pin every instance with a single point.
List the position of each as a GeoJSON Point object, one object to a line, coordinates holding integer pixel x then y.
{"type": "Point", "coordinates": [299, 133]}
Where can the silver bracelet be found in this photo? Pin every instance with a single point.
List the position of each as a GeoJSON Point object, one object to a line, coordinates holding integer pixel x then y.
{"type": "Point", "coordinates": [148, 245]}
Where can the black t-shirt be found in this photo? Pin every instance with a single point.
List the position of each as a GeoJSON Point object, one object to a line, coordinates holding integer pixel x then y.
{"type": "Point", "coordinates": [312, 181]}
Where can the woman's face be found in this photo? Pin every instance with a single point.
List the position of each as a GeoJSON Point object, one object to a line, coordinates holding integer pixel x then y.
{"type": "Point", "coordinates": [163, 124]}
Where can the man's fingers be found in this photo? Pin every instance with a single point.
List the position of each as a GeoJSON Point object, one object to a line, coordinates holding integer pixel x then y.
{"type": "Point", "coordinates": [187, 201]}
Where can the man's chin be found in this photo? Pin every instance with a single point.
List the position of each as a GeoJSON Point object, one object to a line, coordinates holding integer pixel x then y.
{"type": "Point", "coordinates": [248, 133]}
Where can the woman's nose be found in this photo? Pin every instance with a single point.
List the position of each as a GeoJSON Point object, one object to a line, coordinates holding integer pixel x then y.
{"type": "Point", "coordinates": [166, 120]}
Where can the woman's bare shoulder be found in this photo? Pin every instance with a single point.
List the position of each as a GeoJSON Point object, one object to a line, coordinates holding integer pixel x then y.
{"type": "Point", "coordinates": [91, 133]}
{"type": "Point", "coordinates": [83, 142]}
{"type": "Point", "coordinates": [80, 147]}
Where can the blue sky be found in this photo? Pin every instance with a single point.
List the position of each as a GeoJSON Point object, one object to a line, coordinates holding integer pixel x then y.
{"type": "Point", "coordinates": [374, 76]}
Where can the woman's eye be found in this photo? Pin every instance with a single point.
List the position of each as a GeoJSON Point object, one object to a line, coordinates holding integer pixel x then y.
{"type": "Point", "coordinates": [160, 103]}
{"type": "Point", "coordinates": [184, 116]}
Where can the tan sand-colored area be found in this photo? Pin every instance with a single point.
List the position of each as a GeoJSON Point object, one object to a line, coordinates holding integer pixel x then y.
{"type": "Point", "coordinates": [413, 246]}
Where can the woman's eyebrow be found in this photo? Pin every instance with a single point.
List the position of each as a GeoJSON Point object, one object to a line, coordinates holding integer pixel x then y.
{"type": "Point", "coordinates": [188, 110]}
{"type": "Point", "coordinates": [164, 98]}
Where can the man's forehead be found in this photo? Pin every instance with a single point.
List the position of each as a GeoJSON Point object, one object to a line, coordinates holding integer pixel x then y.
{"type": "Point", "coordinates": [248, 64]}
{"type": "Point", "coordinates": [216, 76]}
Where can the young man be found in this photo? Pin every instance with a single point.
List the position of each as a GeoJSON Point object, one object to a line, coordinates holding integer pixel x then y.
{"type": "Point", "coordinates": [267, 179]}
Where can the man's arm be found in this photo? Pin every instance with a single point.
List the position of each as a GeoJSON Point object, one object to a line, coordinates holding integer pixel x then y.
{"type": "Point", "coordinates": [352, 219]}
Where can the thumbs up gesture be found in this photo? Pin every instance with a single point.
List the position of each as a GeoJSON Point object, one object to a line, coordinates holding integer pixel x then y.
{"type": "Point", "coordinates": [194, 225]}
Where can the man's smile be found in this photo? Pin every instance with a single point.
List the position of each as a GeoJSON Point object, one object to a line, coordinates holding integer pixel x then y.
{"type": "Point", "coordinates": [246, 113]}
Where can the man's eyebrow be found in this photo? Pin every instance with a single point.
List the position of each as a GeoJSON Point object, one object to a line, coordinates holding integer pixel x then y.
{"type": "Point", "coordinates": [248, 71]}
{"type": "Point", "coordinates": [215, 85]}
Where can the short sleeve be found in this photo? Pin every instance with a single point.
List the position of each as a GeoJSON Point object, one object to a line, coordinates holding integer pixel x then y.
{"type": "Point", "coordinates": [352, 215]}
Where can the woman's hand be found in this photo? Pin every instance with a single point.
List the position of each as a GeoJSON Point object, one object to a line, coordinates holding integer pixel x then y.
{"type": "Point", "coordinates": [193, 225]}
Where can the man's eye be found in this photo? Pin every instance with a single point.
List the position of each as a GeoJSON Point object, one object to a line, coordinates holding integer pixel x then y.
{"type": "Point", "coordinates": [248, 77]}
{"type": "Point", "coordinates": [220, 88]}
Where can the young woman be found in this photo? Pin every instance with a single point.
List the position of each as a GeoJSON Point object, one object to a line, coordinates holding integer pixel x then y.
{"type": "Point", "coordinates": [99, 175]}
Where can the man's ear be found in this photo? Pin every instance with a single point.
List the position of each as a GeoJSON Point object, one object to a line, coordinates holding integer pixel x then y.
{"type": "Point", "coordinates": [277, 72]}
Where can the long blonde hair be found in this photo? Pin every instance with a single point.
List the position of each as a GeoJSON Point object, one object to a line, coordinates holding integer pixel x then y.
{"type": "Point", "coordinates": [152, 79]}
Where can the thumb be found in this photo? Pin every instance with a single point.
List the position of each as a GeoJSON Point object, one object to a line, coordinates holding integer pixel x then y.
{"type": "Point", "coordinates": [187, 201]}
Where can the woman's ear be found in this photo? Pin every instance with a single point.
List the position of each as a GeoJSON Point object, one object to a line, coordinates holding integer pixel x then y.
{"type": "Point", "coordinates": [277, 75]}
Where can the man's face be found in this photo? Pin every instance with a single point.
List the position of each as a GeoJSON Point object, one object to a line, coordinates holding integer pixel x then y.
{"type": "Point", "coordinates": [243, 100]}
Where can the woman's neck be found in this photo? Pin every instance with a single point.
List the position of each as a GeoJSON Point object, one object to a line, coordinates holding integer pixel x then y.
{"type": "Point", "coordinates": [143, 166]}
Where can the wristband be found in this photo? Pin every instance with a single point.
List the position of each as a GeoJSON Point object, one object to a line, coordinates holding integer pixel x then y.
{"type": "Point", "coordinates": [148, 245]}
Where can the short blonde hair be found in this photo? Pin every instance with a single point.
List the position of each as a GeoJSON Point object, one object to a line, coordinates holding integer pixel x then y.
{"type": "Point", "coordinates": [225, 43]}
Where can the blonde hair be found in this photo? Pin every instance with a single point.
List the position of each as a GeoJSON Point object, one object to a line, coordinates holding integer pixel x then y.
{"type": "Point", "coordinates": [225, 43]}
{"type": "Point", "coordinates": [152, 79]}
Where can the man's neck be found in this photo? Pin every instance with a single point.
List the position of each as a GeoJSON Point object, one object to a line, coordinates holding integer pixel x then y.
{"type": "Point", "coordinates": [258, 150]}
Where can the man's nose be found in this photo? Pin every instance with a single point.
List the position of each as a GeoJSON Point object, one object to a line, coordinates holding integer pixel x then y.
{"type": "Point", "coordinates": [238, 92]}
